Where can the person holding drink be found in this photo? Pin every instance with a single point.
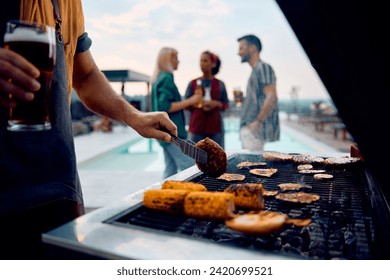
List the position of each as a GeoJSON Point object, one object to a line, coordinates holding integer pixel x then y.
{"type": "Point", "coordinates": [259, 121]}
{"type": "Point", "coordinates": [36, 43]}
{"type": "Point", "coordinates": [206, 120]}
{"type": "Point", "coordinates": [39, 183]}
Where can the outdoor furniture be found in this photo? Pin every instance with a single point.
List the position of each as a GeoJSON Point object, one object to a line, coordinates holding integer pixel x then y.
{"type": "Point", "coordinates": [321, 121]}
{"type": "Point", "coordinates": [340, 127]}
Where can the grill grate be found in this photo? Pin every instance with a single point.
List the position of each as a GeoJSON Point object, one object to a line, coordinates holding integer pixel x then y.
{"type": "Point", "coordinates": [341, 227]}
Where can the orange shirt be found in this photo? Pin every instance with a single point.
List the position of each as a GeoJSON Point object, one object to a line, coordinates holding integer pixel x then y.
{"type": "Point", "coordinates": [42, 11]}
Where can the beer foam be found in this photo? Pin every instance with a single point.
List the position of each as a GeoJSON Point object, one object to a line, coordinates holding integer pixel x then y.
{"type": "Point", "coordinates": [22, 34]}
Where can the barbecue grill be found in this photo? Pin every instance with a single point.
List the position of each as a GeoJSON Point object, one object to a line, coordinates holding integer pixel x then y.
{"type": "Point", "coordinates": [352, 218]}
{"type": "Point", "coordinates": [343, 221]}
{"type": "Point", "coordinates": [342, 224]}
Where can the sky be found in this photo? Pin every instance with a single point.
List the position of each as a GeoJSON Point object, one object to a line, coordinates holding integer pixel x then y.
{"type": "Point", "coordinates": [128, 34]}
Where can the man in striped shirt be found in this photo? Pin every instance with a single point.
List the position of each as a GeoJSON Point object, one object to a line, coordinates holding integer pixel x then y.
{"type": "Point", "coordinates": [260, 113]}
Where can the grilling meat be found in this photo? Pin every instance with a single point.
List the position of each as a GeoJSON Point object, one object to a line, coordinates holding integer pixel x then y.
{"type": "Point", "coordinates": [231, 177]}
{"type": "Point", "coordinates": [341, 160]}
{"type": "Point", "coordinates": [265, 222]}
{"type": "Point", "coordinates": [270, 193]}
{"type": "Point", "coordinates": [247, 195]}
{"type": "Point", "coordinates": [180, 185]}
{"type": "Point", "coordinates": [264, 172]}
{"type": "Point", "coordinates": [276, 156]}
{"type": "Point", "coordinates": [298, 197]}
{"type": "Point", "coordinates": [311, 171]}
{"type": "Point", "coordinates": [217, 159]}
{"type": "Point", "coordinates": [306, 166]}
{"type": "Point", "coordinates": [323, 176]}
{"type": "Point", "coordinates": [209, 205]}
{"type": "Point", "coordinates": [307, 159]}
{"type": "Point", "coordinates": [291, 186]}
{"type": "Point", "coordinates": [247, 164]}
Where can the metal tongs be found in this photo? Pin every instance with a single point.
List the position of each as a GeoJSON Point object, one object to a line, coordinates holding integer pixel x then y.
{"type": "Point", "coordinates": [188, 148]}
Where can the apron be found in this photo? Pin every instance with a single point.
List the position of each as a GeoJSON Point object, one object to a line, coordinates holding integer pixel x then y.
{"type": "Point", "coordinates": [37, 168]}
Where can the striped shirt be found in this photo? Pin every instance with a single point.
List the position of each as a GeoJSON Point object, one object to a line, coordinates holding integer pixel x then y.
{"type": "Point", "coordinates": [262, 75]}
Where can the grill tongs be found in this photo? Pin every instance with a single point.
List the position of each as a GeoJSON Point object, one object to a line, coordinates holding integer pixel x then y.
{"type": "Point", "coordinates": [188, 148]}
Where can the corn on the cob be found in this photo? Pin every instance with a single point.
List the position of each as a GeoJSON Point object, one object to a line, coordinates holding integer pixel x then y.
{"type": "Point", "coordinates": [180, 185]}
{"type": "Point", "coordinates": [209, 205]}
{"type": "Point", "coordinates": [170, 201]}
{"type": "Point", "coordinates": [247, 195]}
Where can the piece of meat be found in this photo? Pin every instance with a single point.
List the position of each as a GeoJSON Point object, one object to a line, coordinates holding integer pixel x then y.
{"type": "Point", "coordinates": [276, 156]}
{"type": "Point", "coordinates": [291, 186]}
{"type": "Point", "coordinates": [269, 193]}
{"type": "Point", "coordinates": [267, 172]}
{"type": "Point", "coordinates": [231, 177]}
{"type": "Point", "coordinates": [323, 176]}
{"type": "Point", "coordinates": [298, 197]}
{"type": "Point", "coordinates": [306, 166]}
{"type": "Point", "coordinates": [307, 159]}
{"type": "Point", "coordinates": [311, 171]}
{"type": "Point", "coordinates": [341, 160]}
{"type": "Point", "coordinates": [247, 164]}
{"type": "Point", "coordinates": [217, 160]}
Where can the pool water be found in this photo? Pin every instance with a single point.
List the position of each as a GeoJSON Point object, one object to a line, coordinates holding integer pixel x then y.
{"type": "Point", "coordinates": [147, 155]}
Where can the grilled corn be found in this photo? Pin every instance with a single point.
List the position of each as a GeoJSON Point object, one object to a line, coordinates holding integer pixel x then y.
{"type": "Point", "coordinates": [209, 205]}
{"type": "Point", "coordinates": [170, 201]}
{"type": "Point", "coordinates": [180, 185]}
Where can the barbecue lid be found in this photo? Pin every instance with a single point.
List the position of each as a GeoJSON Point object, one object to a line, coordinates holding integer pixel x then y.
{"type": "Point", "coordinates": [345, 42]}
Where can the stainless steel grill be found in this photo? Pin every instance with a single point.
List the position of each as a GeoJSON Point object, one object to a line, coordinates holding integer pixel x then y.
{"type": "Point", "coordinates": [352, 218]}
{"type": "Point", "coordinates": [342, 224]}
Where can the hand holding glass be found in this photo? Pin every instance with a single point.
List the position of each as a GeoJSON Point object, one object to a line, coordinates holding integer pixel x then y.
{"type": "Point", "coordinates": [36, 43]}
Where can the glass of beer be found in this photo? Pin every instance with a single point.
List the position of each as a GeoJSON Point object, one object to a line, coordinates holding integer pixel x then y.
{"type": "Point", "coordinates": [238, 96]}
{"type": "Point", "coordinates": [36, 43]}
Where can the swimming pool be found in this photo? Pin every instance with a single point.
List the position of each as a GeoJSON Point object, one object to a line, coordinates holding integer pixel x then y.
{"type": "Point", "coordinates": [146, 155]}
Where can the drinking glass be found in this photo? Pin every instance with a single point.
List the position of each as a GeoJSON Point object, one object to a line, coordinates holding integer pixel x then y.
{"type": "Point", "coordinates": [37, 43]}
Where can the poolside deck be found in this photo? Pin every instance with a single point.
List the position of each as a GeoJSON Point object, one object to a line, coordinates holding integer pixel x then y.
{"type": "Point", "coordinates": [102, 187]}
{"type": "Point", "coordinates": [327, 135]}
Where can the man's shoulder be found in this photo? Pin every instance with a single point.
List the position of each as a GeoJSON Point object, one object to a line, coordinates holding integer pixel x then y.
{"type": "Point", "coordinates": [261, 64]}
{"type": "Point", "coordinates": [263, 68]}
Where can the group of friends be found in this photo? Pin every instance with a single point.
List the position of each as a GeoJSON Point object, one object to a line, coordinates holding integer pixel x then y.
{"type": "Point", "coordinates": [260, 115]}
{"type": "Point", "coordinates": [39, 183]}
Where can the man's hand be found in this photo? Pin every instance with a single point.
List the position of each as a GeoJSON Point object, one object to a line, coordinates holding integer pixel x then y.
{"type": "Point", "coordinates": [254, 126]}
{"type": "Point", "coordinates": [17, 76]}
{"type": "Point", "coordinates": [154, 125]}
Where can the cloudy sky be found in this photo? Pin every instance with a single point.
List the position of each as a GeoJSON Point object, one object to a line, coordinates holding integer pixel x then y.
{"type": "Point", "coordinates": [127, 34]}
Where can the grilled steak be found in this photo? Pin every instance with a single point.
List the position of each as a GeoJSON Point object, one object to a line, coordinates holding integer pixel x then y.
{"type": "Point", "coordinates": [264, 172]}
{"type": "Point", "coordinates": [247, 164]}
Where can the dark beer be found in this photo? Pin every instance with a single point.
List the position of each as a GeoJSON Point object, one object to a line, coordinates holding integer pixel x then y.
{"type": "Point", "coordinates": [37, 45]}
{"type": "Point", "coordinates": [238, 96]}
